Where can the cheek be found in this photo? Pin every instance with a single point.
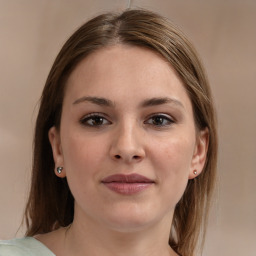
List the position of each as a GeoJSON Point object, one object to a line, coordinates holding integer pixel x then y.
{"type": "Point", "coordinates": [174, 154]}
{"type": "Point", "coordinates": [82, 159]}
{"type": "Point", "coordinates": [82, 155]}
{"type": "Point", "coordinates": [172, 161]}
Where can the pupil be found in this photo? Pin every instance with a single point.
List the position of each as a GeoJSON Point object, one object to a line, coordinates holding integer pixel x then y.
{"type": "Point", "coordinates": [97, 120]}
{"type": "Point", "coordinates": [158, 120]}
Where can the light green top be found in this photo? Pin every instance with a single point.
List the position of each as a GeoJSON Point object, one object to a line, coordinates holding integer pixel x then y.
{"type": "Point", "coordinates": [27, 246]}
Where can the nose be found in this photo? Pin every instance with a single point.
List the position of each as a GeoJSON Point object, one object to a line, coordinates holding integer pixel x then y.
{"type": "Point", "coordinates": [127, 145]}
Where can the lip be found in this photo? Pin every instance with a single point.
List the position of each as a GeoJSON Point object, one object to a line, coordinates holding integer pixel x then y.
{"type": "Point", "coordinates": [127, 184]}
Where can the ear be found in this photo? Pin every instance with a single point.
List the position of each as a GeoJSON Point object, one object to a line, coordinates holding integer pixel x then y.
{"type": "Point", "coordinates": [200, 153]}
{"type": "Point", "coordinates": [54, 138]}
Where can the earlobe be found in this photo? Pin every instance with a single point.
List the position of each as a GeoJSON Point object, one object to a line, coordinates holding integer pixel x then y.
{"type": "Point", "coordinates": [200, 153]}
{"type": "Point", "coordinates": [54, 138]}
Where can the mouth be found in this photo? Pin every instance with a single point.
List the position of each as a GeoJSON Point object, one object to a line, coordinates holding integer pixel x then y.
{"type": "Point", "coordinates": [127, 184]}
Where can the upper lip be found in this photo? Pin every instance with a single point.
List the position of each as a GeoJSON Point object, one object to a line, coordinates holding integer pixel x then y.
{"type": "Point", "coordinates": [130, 178]}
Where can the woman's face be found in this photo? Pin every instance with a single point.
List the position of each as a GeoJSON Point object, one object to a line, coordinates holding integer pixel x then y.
{"type": "Point", "coordinates": [127, 140]}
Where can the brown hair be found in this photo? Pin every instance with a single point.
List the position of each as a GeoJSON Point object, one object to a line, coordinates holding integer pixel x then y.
{"type": "Point", "coordinates": [51, 204]}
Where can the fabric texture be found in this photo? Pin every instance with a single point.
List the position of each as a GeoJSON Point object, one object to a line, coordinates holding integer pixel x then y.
{"type": "Point", "coordinates": [27, 246]}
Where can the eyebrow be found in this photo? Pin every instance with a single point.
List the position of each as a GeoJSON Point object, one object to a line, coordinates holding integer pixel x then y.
{"type": "Point", "coordinates": [95, 100]}
{"type": "Point", "coordinates": [146, 103]}
{"type": "Point", "coordinates": [161, 101]}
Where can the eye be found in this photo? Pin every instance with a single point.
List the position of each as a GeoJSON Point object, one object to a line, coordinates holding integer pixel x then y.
{"type": "Point", "coordinates": [94, 120]}
{"type": "Point", "coordinates": [159, 120]}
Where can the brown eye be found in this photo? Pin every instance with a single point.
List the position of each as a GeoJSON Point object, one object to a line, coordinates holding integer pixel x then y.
{"type": "Point", "coordinates": [159, 120]}
{"type": "Point", "coordinates": [94, 121]}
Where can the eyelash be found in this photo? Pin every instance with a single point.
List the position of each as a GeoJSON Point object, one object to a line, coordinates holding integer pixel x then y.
{"type": "Point", "coordinates": [92, 117]}
{"type": "Point", "coordinates": [167, 120]}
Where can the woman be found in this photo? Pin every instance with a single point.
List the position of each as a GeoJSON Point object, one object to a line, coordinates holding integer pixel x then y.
{"type": "Point", "coordinates": [125, 144]}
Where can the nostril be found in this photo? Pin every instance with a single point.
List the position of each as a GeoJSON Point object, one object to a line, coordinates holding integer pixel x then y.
{"type": "Point", "coordinates": [135, 157]}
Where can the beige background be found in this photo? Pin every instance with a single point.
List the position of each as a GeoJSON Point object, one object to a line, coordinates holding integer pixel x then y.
{"type": "Point", "coordinates": [224, 32]}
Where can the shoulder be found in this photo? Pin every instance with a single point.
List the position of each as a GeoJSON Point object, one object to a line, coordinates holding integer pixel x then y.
{"type": "Point", "coordinates": [27, 246]}
{"type": "Point", "coordinates": [15, 247]}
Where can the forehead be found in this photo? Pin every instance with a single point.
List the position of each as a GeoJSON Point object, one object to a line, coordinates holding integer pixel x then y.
{"type": "Point", "coordinates": [116, 71]}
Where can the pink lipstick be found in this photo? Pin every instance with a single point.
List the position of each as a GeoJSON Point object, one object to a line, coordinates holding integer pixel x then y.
{"type": "Point", "coordinates": [127, 184]}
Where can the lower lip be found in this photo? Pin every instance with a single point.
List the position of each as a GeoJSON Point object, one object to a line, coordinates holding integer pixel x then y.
{"type": "Point", "coordinates": [127, 188]}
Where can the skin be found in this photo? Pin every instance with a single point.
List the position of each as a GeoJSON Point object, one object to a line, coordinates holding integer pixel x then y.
{"type": "Point", "coordinates": [130, 134]}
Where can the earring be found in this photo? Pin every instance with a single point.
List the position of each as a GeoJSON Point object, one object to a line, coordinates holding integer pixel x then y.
{"type": "Point", "coordinates": [195, 172]}
{"type": "Point", "coordinates": [59, 170]}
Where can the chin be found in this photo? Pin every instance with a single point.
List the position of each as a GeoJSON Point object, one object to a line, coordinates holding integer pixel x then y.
{"type": "Point", "coordinates": [129, 226]}
{"type": "Point", "coordinates": [132, 221]}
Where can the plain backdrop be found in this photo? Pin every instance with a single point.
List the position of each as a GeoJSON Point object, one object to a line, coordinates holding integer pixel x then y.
{"type": "Point", "coordinates": [224, 33]}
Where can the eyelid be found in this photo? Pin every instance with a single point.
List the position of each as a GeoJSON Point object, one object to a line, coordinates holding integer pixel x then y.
{"type": "Point", "coordinates": [94, 114]}
{"type": "Point", "coordinates": [167, 117]}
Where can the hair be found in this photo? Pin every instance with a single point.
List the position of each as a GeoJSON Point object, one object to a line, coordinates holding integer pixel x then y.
{"type": "Point", "coordinates": [50, 204]}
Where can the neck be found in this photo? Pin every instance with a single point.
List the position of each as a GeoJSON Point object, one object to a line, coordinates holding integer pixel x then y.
{"type": "Point", "coordinates": [88, 239]}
